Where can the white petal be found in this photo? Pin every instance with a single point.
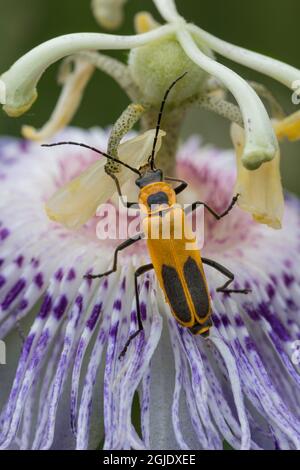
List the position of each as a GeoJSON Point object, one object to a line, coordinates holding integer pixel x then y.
{"type": "Point", "coordinates": [260, 190]}
{"type": "Point", "coordinates": [77, 202]}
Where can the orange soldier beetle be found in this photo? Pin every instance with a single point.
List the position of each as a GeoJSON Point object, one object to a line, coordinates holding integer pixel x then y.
{"type": "Point", "coordinates": [179, 269]}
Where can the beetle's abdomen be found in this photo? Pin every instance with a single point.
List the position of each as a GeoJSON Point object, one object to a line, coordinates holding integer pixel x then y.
{"type": "Point", "coordinates": [178, 266]}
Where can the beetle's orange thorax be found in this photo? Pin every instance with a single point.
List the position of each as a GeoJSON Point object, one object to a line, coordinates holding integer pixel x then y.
{"type": "Point", "coordinates": [157, 197]}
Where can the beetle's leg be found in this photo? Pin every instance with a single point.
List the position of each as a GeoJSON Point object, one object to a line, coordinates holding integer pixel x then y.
{"type": "Point", "coordinates": [119, 248]}
{"type": "Point", "coordinates": [228, 274]}
{"type": "Point", "coordinates": [128, 205]}
{"type": "Point", "coordinates": [194, 206]}
{"type": "Point", "coordinates": [183, 184]}
{"type": "Point", "coordinates": [139, 272]}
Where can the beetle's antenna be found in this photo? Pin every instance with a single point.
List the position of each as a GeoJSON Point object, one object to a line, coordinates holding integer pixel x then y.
{"type": "Point", "coordinates": [151, 159]}
{"type": "Point", "coordinates": [109, 157]}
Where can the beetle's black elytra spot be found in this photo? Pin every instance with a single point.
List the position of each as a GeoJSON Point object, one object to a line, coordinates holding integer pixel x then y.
{"type": "Point", "coordinates": [197, 288]}
{"type": "Point", "coordinates": [175, 294]}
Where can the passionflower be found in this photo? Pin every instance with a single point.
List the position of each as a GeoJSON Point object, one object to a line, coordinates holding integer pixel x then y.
{"type": "Point", "coordinates": [71, 389]}
{"type": "Point", "coordinates": [158, 54]}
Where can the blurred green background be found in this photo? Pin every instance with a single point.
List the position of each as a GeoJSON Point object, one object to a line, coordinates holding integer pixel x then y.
{"type": "Point", "coordinates": [267, 26]}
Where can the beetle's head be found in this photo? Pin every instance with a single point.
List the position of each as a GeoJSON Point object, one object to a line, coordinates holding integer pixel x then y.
{"type": "Point", "coordinates": [148, 176]}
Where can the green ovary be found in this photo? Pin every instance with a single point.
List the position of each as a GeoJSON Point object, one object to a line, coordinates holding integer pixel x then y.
{"type": "Point", "coordinates": [155, 66]}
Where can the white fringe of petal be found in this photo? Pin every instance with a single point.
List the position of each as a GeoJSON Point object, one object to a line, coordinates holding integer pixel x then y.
{"type": "Point", "coordinates": [240, 385]}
